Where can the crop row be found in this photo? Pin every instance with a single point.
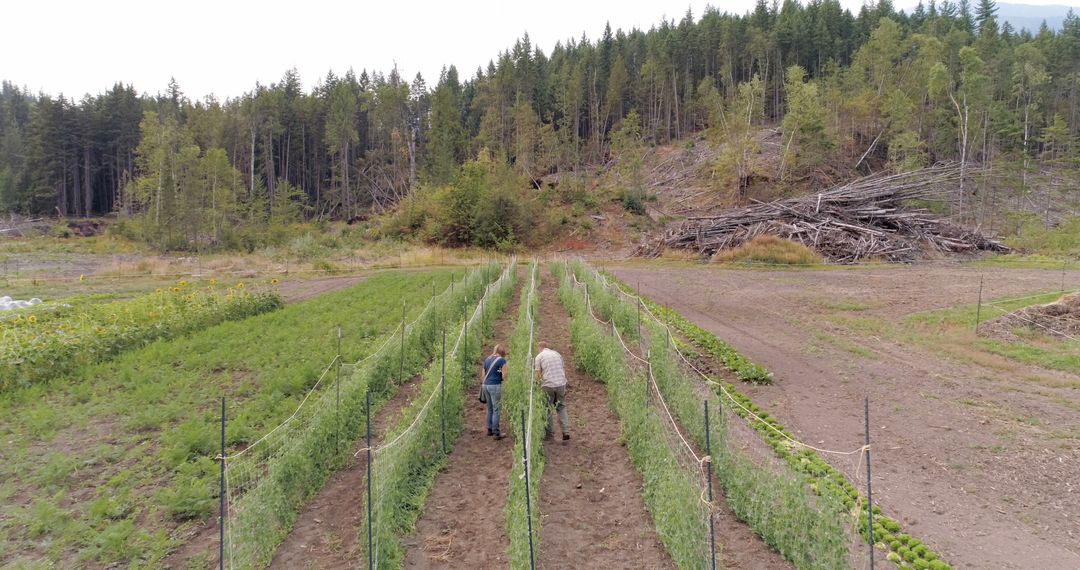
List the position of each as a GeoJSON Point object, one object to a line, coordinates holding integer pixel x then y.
{"type": "Point", "coordinates": [151, 480]}
{"type": "Point", "coordinates": [672, 492]}
{"type": "Point", "coordinates": [261, 518]}
{"type": "Point", "coordinates": [411, 454]}
{"type": "Point", "coordinates": [516, 398]}
{"type": "Point", "coordinates": [706, 341]}
{"type": "Point", "coordinates": [822, 478]}
{"type": "Point", "coordinates": [36, 350]}
{"type": "Point", "coordinates": [775, 503]}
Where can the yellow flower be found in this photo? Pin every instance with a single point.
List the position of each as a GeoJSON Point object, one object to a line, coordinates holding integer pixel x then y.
{"type": "Point", "coordinates": [213, 281]}
{"type": "Point", "coordinates": [274, 281]}
{"type": "Point", "coordinates": [82, 278]}
{"type": "Point", "coordinates": [240, 285]}
{"type": "Point", "coordinates": [32, 319]}
{"type": "Point", "coordinates": [228, 297]}
{"type": "Point", "coordinates": [183, 283]}
{"type": "Point", "coordinates": [158, 290]}
{"type": "Point", "coordinates": [175, 289]}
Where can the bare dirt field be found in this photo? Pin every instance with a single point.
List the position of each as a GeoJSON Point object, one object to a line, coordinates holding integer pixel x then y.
{"type": "Point", "coordinates": [975, 454]}
{"type": "Point", "coordinates": [296, 291]}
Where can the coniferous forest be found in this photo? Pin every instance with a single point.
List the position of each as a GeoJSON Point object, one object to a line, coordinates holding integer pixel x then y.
{"type": "Point", "coordinates": [850, 93]}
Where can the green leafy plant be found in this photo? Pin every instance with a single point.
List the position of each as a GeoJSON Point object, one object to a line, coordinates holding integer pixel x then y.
{"type": "Point", "coordinates": [36, 350]}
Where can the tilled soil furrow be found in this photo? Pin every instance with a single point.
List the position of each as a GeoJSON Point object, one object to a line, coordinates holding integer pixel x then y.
{"type": "Point", "coordinates": [326, 533]}
{"type": "Point", "coordinates": [590, 495]}
{"type": "Point", "coordinates": [463, 524]}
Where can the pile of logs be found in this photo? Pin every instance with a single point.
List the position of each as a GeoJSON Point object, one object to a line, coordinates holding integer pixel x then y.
{"type": "Point", "coordinates": [872, 217]}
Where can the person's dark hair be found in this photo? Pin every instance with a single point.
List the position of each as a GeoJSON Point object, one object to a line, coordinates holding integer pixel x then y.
{"type": "Point", "coordinates": [499, 350]}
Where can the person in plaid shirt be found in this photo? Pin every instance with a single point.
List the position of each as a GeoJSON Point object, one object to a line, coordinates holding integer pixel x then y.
{"type": "Point", "coordinates": [553, 382]}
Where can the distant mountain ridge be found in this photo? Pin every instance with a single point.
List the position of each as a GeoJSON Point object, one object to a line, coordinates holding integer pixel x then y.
{"type": "Point", "coordinates": [1023, 16]}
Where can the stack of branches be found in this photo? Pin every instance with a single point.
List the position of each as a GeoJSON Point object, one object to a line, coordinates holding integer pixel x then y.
{"type": "Point", "coordinates": [872, 217]}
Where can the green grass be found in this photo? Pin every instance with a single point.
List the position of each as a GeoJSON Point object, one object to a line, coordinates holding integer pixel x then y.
{"type": "Point", "coordinates": [953, 328]}
{"type": "Point", "coordinates": [1064, 355]}
{"type": "Point", "coordinates": [157, 409]}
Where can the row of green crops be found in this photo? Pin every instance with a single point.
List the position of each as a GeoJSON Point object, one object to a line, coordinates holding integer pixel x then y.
{"type": "Point", "coordinates": [134, 438]}
{"type": "Point", "coordinates": [262, 517]}
{"type": "Point", "coordinates": [516, 399]}
{"type": "Point", "coordinates": [411, 453]}
{"type": "Point", "coordinates": [34, 349]}
{"type": "Point", "coordinates": [672, 491]}
{"type": "Point", "coordinates": [823, 479]}
{"type": "Point", "coordinates": [723, 352]}
{"type": "Point", "coordinates": [777, 506]}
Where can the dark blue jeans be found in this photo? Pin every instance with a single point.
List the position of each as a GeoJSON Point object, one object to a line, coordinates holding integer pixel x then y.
{"type": "Point", "coordinates": [494, 394]}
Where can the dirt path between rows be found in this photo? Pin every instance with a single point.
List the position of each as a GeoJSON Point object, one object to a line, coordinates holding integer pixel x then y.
{"type": "Point", "coordinates": [974, 459]}
{"type": "Point", "coordinates": [302, 290]}
{"type": "Point", "coordinates": [326, 534]}
{"type": "Point", "coordinates": [591, 501]}
{"type": "Point", "coordinates": [463, 524]}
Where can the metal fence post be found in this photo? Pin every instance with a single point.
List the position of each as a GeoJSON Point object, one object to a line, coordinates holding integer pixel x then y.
{"type": "Point", "coordinates": [708, 472]}
{"type": "Point", "coordinates": [869, 488]}
{"type": "Point", "coordinates": [528, 498]}
{"type": "Point", "coordinates": [221, 538]}
{"type": "Point", "coordinates": [978, 308]}
{"type": "Point", "coordinates": [337, 395]}
{"type": "Point", "coordinates": [370, 473]}
{"type": "Point", "coordinates": [401, 367]}
{"type": "Point", "coordinates": [442, 395]}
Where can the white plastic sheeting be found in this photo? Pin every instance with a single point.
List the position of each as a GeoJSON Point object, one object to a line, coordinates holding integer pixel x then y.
{"type": "Point", "coordinates": [9, 304]}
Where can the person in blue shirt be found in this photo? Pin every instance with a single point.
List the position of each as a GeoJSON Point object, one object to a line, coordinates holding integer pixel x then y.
{"type": "Point", "coordinates": [494, 373]}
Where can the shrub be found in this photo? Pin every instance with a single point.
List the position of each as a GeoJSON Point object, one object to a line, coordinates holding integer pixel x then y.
{"type": "Point", "coordinates": [769, 249]}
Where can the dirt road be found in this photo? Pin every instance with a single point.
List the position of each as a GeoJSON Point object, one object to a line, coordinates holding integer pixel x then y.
{"type": "Point", "coordinates": [978, 458]}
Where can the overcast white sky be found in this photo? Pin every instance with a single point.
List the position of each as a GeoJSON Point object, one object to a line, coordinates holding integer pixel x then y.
{"type": "Point", "coordinates": [225, 46]}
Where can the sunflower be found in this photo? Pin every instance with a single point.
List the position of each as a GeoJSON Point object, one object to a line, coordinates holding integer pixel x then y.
{"type": "Point", "coordinates": [82, 278]}
{"type": "Point", "coordinates": [213, 281]}
{"type": "Point", "coordinates": [240, 285]}
{"type": "Point", "coordinates": [175, 289]}
{"type": "Point", "coordinates": [274, 281]}
{"type": "Point", "coordinates": [183, 283]}
{"type": "Point", "coordinates": [32, 319]}
{"type": "Point", "coordinates": [158, 290]}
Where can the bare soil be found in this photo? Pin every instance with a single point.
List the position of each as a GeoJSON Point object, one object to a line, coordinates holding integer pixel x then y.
{"type": "Point", "coordinates": [590, 495]}
{"type": "Point", "coordinates": [326, 535]}
{"type": "Point", "coordinates": [302, 290]}
{"type": "Point", "coordinates": [464, 524]}
{"type": "Point", "coordinates": [976, 455]}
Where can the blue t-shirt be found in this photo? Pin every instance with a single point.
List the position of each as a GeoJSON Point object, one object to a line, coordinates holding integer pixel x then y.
{"type": "Point", "coordinates": [494, 365]}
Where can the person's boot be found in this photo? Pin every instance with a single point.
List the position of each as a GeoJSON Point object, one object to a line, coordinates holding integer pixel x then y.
{"type": "Point", "coordinates": [490, 432]}
{"type": "Point", "coordinates": [498, 436]}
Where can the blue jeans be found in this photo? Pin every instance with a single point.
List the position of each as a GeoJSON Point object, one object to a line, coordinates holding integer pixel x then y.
{"type": "Point", "coordinates": [494, 394]}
